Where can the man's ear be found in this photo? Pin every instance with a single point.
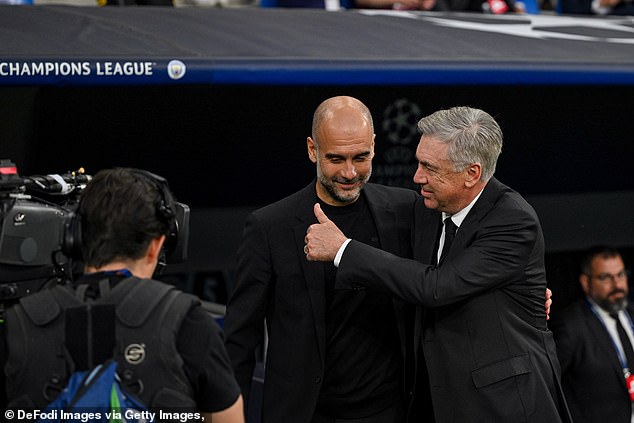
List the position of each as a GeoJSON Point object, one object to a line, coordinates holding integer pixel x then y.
{"type": "Point", "coordinates": [473, 174]}
{"type": "Point", "coordinates": [584, 280]}
{"type": "Point", "coordinates": [154, 249]}
{"type": "Point", "coordinates": [312, 149]}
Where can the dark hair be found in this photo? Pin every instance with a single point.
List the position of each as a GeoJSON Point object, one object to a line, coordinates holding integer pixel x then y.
{"type": "Point", "coordinates": [120, 215]}
{"type": "Point", "coordinates": [603, 251]}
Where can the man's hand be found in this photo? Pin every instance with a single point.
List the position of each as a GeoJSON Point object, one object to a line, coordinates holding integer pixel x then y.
{"type": "Point", "coordinates": [549, 302]}
{"type": "Point", "coordinates": [323, 239]}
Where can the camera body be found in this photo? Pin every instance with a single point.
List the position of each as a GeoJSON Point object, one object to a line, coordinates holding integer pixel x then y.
{"type": "Point", "coordinates": [31, 231]}
{"type": "Point", "coordinates": [34, 214]}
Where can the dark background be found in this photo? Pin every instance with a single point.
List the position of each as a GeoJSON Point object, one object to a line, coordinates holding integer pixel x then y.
{"type": "Point", "coordinates": [227, 146]}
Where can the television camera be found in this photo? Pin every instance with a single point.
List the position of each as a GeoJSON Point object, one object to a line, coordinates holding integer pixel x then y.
{"type": "Point", "coordinates": [34, 214]}
{"type": "Point", "coordinates": [40, 230]}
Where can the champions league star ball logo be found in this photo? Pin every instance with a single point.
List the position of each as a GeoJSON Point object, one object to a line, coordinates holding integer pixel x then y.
{"type": "Point", "coordinates": [399, 121]}
{"type": "Point", "coordinates": [395, 163]}
{"type": "Point", "coordinates": [176, 69]}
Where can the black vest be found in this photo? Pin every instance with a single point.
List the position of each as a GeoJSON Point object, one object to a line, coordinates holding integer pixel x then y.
{"type": "Point", "coordinates": [147, 314]}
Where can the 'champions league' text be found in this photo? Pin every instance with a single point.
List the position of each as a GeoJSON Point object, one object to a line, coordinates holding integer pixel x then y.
{"type": "Point", "coordinates": [44, 69]}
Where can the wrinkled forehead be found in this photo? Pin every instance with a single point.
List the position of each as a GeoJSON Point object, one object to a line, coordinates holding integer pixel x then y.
{"type": "Point", "coordinates": [432, 150]}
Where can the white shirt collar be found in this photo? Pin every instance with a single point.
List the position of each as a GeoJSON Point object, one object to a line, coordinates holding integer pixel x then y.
{"type": "Point", "coordinates": [460, 216]}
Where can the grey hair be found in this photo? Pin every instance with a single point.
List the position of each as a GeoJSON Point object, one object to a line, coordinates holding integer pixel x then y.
{"type": "Point", "coordinates": [326, 108]}
{"type": "Point", "coordinates": [472, 134]}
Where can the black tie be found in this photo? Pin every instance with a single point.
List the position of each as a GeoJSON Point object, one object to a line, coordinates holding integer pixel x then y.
{"type": "Point", "coordinates": [450, 234]}
{"type": "Point", "coordinates": [625, 341]}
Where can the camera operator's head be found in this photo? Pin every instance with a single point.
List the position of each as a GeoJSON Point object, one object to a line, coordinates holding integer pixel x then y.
{"type": "Point", "coordinates": [126, 216]}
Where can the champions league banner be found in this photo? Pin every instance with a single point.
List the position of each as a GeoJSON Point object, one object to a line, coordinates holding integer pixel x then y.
{"type": "Point", "coordinates": [253, 46]}
{"type": "Point", "coordinates": [93, 72]}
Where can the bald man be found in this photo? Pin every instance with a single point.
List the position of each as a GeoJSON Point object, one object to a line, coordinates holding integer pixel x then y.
{"type": "Point", "coordinates": [331, 356]}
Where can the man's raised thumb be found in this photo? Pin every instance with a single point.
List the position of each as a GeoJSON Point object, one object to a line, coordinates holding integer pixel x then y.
{"type": "Point", "coordinates": [320, 215]}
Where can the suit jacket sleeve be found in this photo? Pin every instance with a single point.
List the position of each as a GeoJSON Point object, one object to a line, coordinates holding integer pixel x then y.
{"type": "Point", "coordinates": [491, 252]}
{"type": "Point", "coordinates": [246, 308]}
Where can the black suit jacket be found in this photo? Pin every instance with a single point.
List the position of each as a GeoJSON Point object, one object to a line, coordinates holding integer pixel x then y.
{"type": "Point", "coordinates": [592, 375]}
{"type": "Point", "coordinates": [488, 351]}
{"type": "Point", "coordinates": [274, 281]}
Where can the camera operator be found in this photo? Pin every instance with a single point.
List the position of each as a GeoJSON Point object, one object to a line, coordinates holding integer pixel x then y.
{"type": "Point", "coordinates": [168, 349]}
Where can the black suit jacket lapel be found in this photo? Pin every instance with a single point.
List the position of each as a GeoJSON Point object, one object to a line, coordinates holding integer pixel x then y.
{"type": "Point", "coordinates": [480, 209]}
{"type": "Point", "coordinates": [382, 213]}
{"type": "Point", "coordinates": [313, 271]}
{"type": "Point", "coordinates": [384, 217]}
{"type": "Point", "coordinates": [427, 226]}
{"type": "Point", "coordinates": [596, 327]}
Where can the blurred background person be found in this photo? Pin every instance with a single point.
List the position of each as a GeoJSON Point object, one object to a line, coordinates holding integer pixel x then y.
{"type": "Point", "coordinates": [594, 339]}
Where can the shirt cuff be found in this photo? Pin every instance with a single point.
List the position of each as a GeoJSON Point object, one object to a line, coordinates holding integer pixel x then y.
{"type": "Point", "coordinates": [340, 252]}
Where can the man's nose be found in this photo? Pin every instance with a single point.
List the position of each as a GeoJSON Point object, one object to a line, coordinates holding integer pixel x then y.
{"type": "Point", "coordinates": [619, 282]}
{"type": "Point", "coordinates": [419, 176]}
{"type": "Point", "coordinates": [349, 172]}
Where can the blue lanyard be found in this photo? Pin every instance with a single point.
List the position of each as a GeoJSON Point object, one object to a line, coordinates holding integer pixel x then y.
{"type": "Point", "coordinates": [622, 359]}
{"type": "Point", "coordinates": [120, 272]}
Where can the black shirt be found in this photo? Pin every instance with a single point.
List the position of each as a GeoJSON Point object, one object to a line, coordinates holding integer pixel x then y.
{"type": "Point", "coordinates": [363, 368]}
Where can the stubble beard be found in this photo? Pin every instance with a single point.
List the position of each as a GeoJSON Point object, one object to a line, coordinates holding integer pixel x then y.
{"type": "Point", "coordinates": [346, 197]}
